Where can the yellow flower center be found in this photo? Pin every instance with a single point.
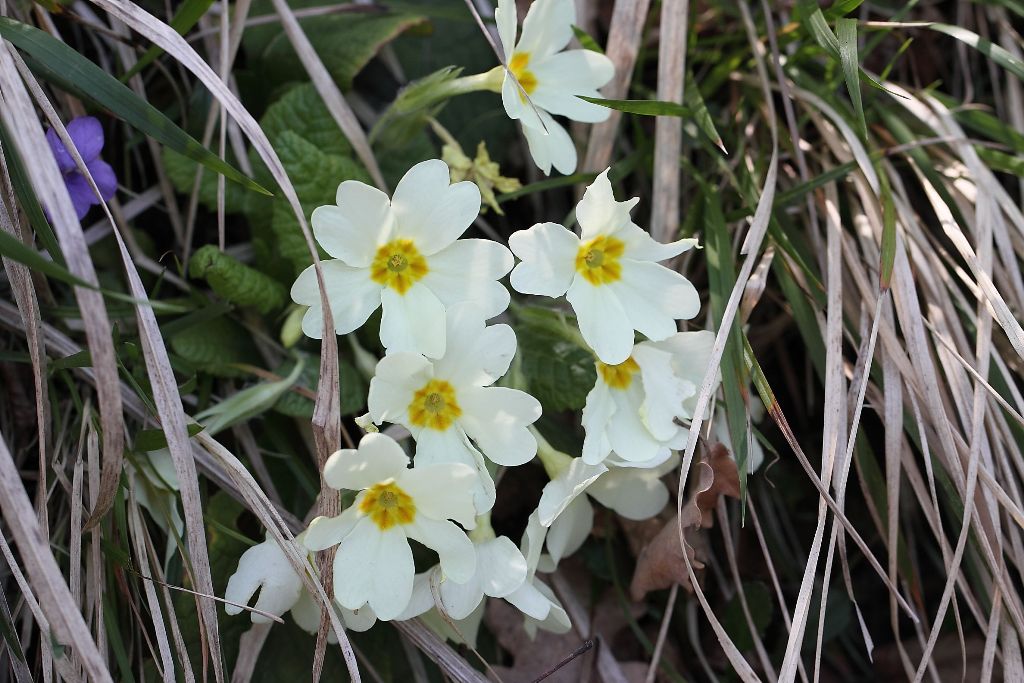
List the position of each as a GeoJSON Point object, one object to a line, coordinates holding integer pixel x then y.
{"type": "Point", "coordinates": [518, 66]}
{"type": "Point", "coordinates": [434, 406]}
{"type": "Point", "coordinates": [387, 505]}
{"type": "Point", "coordinates": [598, 260]}
{"type": "Point", "coordinates": [398, 265]}
{"type": "Point", "coordinates": [618, 376]}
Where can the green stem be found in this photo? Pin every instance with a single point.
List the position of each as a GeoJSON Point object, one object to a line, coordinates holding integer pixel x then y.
{"type": "Point", "coordinates": [555, 461]}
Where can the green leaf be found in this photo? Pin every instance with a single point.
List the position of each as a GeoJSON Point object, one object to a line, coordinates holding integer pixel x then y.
{"type": "Point", "coordinates": [847, 36]}
{"type": "Point", "coordinates": [213, 346]}
{"type": "Point", "coordinates": [642, 107]}
{"type": "Point", "coordinates": [235, 281]}
{"type": "Point", "coordinates": [58, 63]}
{"type": "Point", "coordinates": [761, 606]}
{"type": "Point", "coordinates": [247, 403]}
{"type": "Point", "coordinates": [185, 17]}
{"type": "Point", "coordinates": [316, 177]}
{"type": "Point", "coordinates": [985, 46]}
{"type": "Point", "coordinates": [352, 385]}
{"type": "Point", "coordinates": [181, 171]}
{"type": "Point", "coordinates": [693, 99]}
{"type": "Point", "coordinates": [888, 257]}
{"type": "Point", "coordinates": [345, 42]}
{"type": "Point", "coordinates": [586, 40]}
{"type": "Point", "coordinates": [302, 111]}
{"type": "Point", "coordinates": [558, 371]}
{"type": "Point", "coordinates": [154, 439]}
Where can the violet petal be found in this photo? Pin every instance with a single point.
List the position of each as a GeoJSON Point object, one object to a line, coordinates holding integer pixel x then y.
{"type": "Point", "coordinates": [87, 134]}
{"type": "Point", "coordinates": [105, 179]}
{"type": "Point", "coordinates": [64, 161]}
{"type": "Point", "coordinates": [82, 195]}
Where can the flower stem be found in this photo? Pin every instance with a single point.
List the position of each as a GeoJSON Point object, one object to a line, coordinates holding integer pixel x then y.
{"type": "Point", "coordinates": [489, 80]}
{"type": "Point", "coordinates": [554, 460]}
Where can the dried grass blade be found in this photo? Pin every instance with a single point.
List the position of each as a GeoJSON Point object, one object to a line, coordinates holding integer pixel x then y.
{"type": "Point", "coordinates": [42, 569]}
{"type": "Point", "coordinates": [668, 130]}
{"type": "Point", "coordinates": [20, 119]}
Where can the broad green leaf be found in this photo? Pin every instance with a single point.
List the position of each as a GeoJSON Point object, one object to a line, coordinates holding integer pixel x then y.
{"type": "Point", "coordinates": [847, 36]}
{"type": "Point", "coordinates": [761, 605]}
{"type": "Point", "coordinates": [345, 42]}
{"type": "Point", "coordinates": [154, 439]}
{"type": "Point", "coordinates": [302, 111]}
{"type": "Point", "coordinates": [558, 371]}
{"type": "Point", "coordinates": [58, 63]}
{"type": "Point", "coordinates": [181, 170]}
{"type": "Point", "coordinates": [236, 282]}
{"type": "Point", "coordinates": [214, 346]}
{"type": "Point", "coordinates": [316, 177]}
{"type": "Point", "coordinates": [185, 17]}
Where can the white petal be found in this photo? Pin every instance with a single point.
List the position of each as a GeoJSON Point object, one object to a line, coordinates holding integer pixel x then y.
{"type": "Point", "coordinates": [459, 632]}
{"type": "Point", "coordinates": [422, 599]}
{"type": "Point", "coordinates": [598, 213]}
{"type": "Point", "coordinates": [548, 259]}
{"type": "Point", "coordinates": [378, 458]}
{"type": "Point", "coordinates": [441, 491]}
{"type": "Point", "coordinates": [562, 490]}
{"type": "Point", "coordinates": [375, 567]}
{"type": "Point", "coordinates": [353, 296]}
{"type": "Point", "coordinates": [430, 210]}
{"type": "Point", "coordinates": [555, 148]}
{"type": "Point", "coordinates": [691, 357]}
{"type": "Point", "coordinates": [631, 492]}
{"type": "Point", "coordinates": [597, 413]}
{"type": "Point", "coordinates": [452, 446]}
{"type": "Point", "coordinates": [264, 567]}
{"type": "Point", "coordinates": [501, 566]}
{"type": "Point", "coordinates": [397, 378]}
{"type": "Point", "coordinates": [655, 316]}
{"type": "Point", "coordinates": [547, 27]}
{"type": "Point", "coordinates": [602, 319]}
{"type": "Point", "coordinates": [518, 107]}
{"type": "Point", "coordinates": [352, 230]}
{"type": "Point", "coordinates": [561, 77]}
{"type": "Point", "coordinates": [468, 271]}
{"type": "Point", "coordinates": [640, 246]}
{"type": "Point", "coordinates": [306, 614]}
{"type": "Point", "coordinates": [475, 355]}
{"type": "Point", "coordinates": [324, 532]}
{"type": "Point", "coordinates": [557, 620]}
{"type": "Point", "coordinates": [530, 601]}
{"type": "Point", "coordinates": [664, 392]}
{"type": "Point", "coordinates": [358, 620]}
{"type": "Point", "coordinates": [533, 542]}
{"type": "Point", "coordinates": [458, 600]}
{"type": "Point", "coordinates": [571, 529]}
{"type": "Point", "coordinates": [413, 321]}
{"type": "Point", "coordinates": [453, 547]}
{"type": "Point", "coordinates": [507, 23]}
{"type": "Point", "coordinates": [496, 419]}
{"type": "Point", "coordinates": [627, 433]}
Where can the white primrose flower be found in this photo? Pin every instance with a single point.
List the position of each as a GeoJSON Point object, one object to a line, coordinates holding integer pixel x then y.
{"type": "Point", "coordinates": [403, 254]}
{"type": "Point", "coordinates": [634, 492]}
{"type": "Point", "coordinates": [635, 408]}
{"type": "Point", "coordinates": [265, 567]}
{"type": "Point", "coordinates": [534, 598]}
{"type": "Point", "coordinates": [374, 564]}
{"type": "Point", "coordinates": [610, 276]}
{"type": "Point", "coordinates": [550, 78]}
{"type": "Point", "coordinates": [500, 570]}
{"type": "Point", "coordinates": [446, 402]}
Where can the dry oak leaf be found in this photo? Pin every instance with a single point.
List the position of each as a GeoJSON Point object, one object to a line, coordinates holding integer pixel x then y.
{"type": "Point", "coordinates": [661, 563]}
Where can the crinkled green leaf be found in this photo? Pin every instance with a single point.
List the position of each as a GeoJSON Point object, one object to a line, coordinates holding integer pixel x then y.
{"type": "Point", "coordinates": [236, 282]}
{"type": "Point", "coordinates": [214, 346]}
{"type": "Point", "coordinates": [302, 111]}
{"type": "Point", "coordinates": [316, 177]}
{"type": "Point", "coordinates": [182, 172]}
{"type": "Point", "coordinates": [558, 372]}
{"type": "Point", "coordinates": [344, 41]}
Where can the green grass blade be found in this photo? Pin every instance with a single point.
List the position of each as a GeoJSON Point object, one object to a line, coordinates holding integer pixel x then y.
{"type": "Point", "coordinates": [847, 36]}
{"type": "Point", "coordinates": [985, 46]}
{"type": "Point", "coordinates": [63, 66]}
{"type": "Point", "coordinates": [642, 107]}
{"type": "Point", "coordinates": [186, 16]}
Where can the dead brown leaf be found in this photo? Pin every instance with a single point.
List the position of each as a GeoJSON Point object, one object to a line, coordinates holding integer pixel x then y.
{"type": "Point", "coordinates": [661, 563]}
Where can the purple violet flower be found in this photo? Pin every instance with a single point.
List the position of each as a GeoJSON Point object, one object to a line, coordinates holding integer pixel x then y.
{"type": "Point", "coordinates": [87, 134]}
